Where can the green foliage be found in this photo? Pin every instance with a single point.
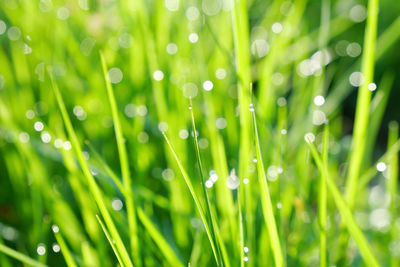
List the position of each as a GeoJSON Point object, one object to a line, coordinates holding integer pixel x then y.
{"type": "Point", "coordinates": [171, 133]}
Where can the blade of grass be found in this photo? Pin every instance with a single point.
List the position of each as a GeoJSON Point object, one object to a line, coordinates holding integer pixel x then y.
{"type": "Point", "coordinates": [210, 217]}
{"type": "Point", "coordinates": [69, 260]}
{"type": "Point", "coordinates": [322, 201]}
{"type": "Point", "coordinates": [196, 200]}
{"type": "Point", "coordinates": [19, 256]}
{"type": "Point", "coordinates": [267, 207]}
{"type": "Point", "coordinates": [344, 209]}
{"type": "Point", "coordinates": [165, 248]}
{"type": "Point", "coordinates": [392, 184]}
{"type": "Point", "coordinates": [110, 241]}
{"type": "Point", "coordinates": [363, 104]}
{"type": "Point", "coordinates": [372, 171]}
{"type": "Point", "coordinates": [126, 176]}
{"type": "Point", "coordinates": [95, 190]}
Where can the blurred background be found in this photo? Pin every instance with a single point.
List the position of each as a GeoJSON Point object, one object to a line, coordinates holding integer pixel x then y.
{"type": "Point", "coordinates": [161, 53]}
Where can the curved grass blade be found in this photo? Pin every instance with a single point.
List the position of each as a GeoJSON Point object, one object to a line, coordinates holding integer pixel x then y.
{"type": "Point", "coordinates": [363, 104]}
{"type": "Point", "coordinates": [19, 256]}
{"type": "Point", "coordinates": [322, 200]}
{"type": "Point", "coordinates": [165, 248]}
{"type": "Point", "coordinates": [65, 250]}
{"type": "Point", "coordinates": [196, 200]}
{"type": "Point", "coordinates": [126, 176]}
{"type": "Point", "coordinates": [210, 217]}
{"type": "Point", "coordinates": [345, 211]}
{"type": "Point", "coordinates": [94, 189]}
{"type": "Point", "coordinates": [267, 207]}
{"type": "Point", "coordinates": [110, 241]}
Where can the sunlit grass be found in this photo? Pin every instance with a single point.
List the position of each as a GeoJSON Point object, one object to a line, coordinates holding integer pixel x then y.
{"type": "Point", "coordinates": [171, 133]}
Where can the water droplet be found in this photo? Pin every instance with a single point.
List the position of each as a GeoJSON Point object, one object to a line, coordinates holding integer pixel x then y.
{"type": "Point", "coordinates": [3, 27]}
{"type": "Point", "coordinates": [46, 137]}
{"type": "Point", "coordinates": [319, 100]}
{"type": "Point", "coordinates": [115, 75]}
{"type": "Point", "coordinates": [24, 137]}
{"type": "Point", "coordinates": [353, 49]}
{"type": "Point", "coordinates": [221, 123]}
{"type": "Point", "coordinates": [143, 137]}
{"type": "Point", "coordinates": [172, 5]}
{"type": "Point", "coordinates": [251, 107]}
{"type": "Point", "coordinates": [358, 13]}
{"type": "Point", "coordinates": [232, 181]}
{"type": "Point", "coordinates": [172, 48]}
{"type": "Point", "coordinates": [356, 79]}
{"type": "Point", "coordinates": [38, 126]}
{"type": "Point", "coordinates": [281, 101]}
{"type": "Point", "coordinates": [255, 159]}
{"type": "Point", "coordinates": [283, 131]}
{"type": "Point", "coordinates": [211, 7]}
{"type": "Point", "coordinates": [141, 110]}
{"type": "Point", "coordinates": [27, 49]}
{"type": "Point", "coordinates": [55, 228]}
{"type": "Point", "coordinates": [260, 48]}
{"type": "Point", "coordinates": [190, 90]}
{"type": "Point", "coordinates": [183, 134]}
{"type": "Point", "coordinates": [192, 13]}
{"type": "Point", "coordinates": [277, 27]}
{"type": "Point", "coordinates": [67, 145]}
{"type": "Point", "coordinates": [45, 5]}
{"type": "Point", "coordinates": [381, 166]}
{"type": "Point", "coordinates": [372, 86]}
{"type": "Point", "coordinates": [246, 249]}
{"type": "Point", "coordinates": [209, 184]}
{"type": "Point", "coordinates": [380, 219]}
{"type": "Point", "coordinates": [245, 181]}
{"type": "Point", "coordinates": [116, 204]}
{"type": "Point", "coordinates": [273, 172]}
{"type": "Point", "coordinates": [246, 259]}
{"type": "Point", "coordinates": [213, 176]}
{"type": "Point", "coordinates": [14, 33]}
{"type": "Point", "coordinates": [193, 37]}
{"type": "Point", "coordinates": [158, 75]}
{"type": "Point", "coordinates": [309, 137]}
{"type": "Point", "coordinates": [208, 85]}
{"type": "Point", "coordinates": [130, 110]}
{"type": "Point", "coordinates": [63, 13]}
{"type": "Point", "coordinates": [87, 46]}
{"type": "Point", "coordinates": [203, 143]}
{"type": "Point", "coordinates": [163, 126]}
{"type": "Point", "coordinates": [168, 174]}
{"type": "Point", "coordinates": [220, 73]}
{"type": "Point", "coordinates": [277, 78]}
{"type": "Point", "coordinates": [30, 114]}
{"type": "Point", "coordinates": [41, 249]}
{"type": "Point", "coordinates": [319, 117]}
{"type": "Point", "coordinates": [58, 143]}
{"type": "Point", "coordinates": [56, 248]}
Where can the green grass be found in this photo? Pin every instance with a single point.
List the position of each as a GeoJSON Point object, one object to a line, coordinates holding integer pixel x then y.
{"type": "Point", "coordinates": [171, 133]}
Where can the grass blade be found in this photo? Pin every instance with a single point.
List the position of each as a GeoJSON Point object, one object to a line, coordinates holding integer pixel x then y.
{"type": "Point", "coordinates": [165, 248]}
{"type": "Point", "coordinates": [266, 202]}
{"type": "Point", "coordinates": [19, 256]}
{"type": "Point", "coordinates": [110, 241]}
{"type": "Point", "coordinates": [363, 103]}
{"type": "Point", "coordinates": [345, 210]}
{"type": "Point", "coordinates": [65, 250]}
{"type": "Point", "coordinates": [126, 177]}
{"type": "Point", "coordinates": [322, 201]}
{"type": "Point", "coordinates": [210, 217]}
{"type": "Point", "coordinates": [196, 200]}
{"type": "Point", "coordinates": [95, 190]}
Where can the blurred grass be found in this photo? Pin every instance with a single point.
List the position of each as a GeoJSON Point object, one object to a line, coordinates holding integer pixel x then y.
{"type": "Point", "coordinates": [86, 137]}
